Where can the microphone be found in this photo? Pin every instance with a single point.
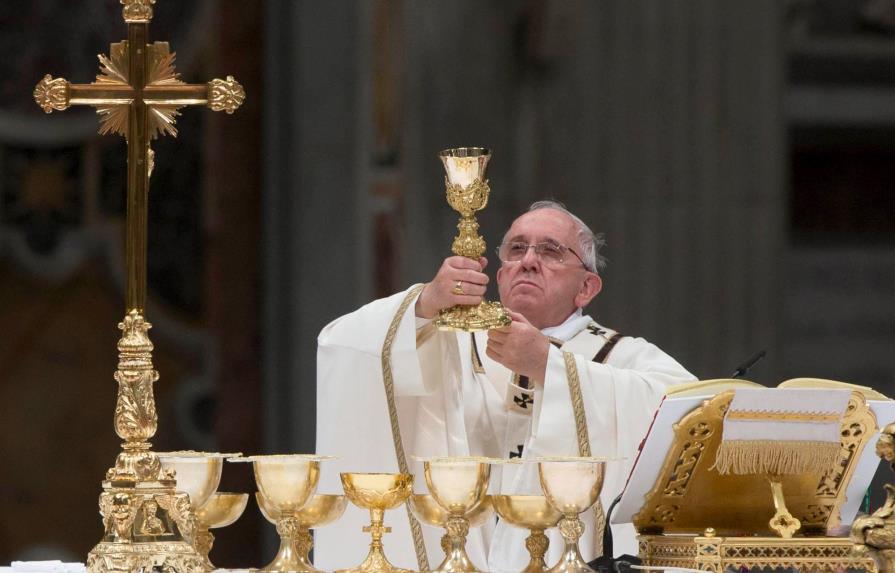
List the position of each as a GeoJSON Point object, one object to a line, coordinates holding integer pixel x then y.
{"type": "Point", "coordinates": [745, 366]}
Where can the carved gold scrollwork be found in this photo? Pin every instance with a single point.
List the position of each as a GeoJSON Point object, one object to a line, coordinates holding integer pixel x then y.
{"type": "Point", "coordinates": [225, 95]}
{"type": "Point", "coordinates": [51, 94]}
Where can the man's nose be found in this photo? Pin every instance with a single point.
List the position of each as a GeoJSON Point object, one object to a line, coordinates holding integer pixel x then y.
{"type": "Point", "coordinates": [530, 261]}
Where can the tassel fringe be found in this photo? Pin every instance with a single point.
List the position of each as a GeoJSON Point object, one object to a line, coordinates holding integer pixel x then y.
{"type": "Point", "coordinates": [768, 457]}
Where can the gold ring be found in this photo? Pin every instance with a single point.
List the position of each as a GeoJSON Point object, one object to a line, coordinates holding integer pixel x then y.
{"type": "Point", "coordinates": [458, 288]}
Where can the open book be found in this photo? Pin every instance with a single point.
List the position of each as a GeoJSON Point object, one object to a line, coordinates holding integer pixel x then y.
{"type": "Point", "coordinates": [673, 488]}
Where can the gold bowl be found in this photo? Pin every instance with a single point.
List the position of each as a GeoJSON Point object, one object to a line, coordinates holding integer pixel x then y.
{"type": "Point", "coordinates": [571, 485]}
{"type": "Point", "coordinates": [221, 510]}
{"type": "Point", "coordinates": [532, 512]}
{"type": "Point", "coordinates": [296, 543]}
{"type": "Point", "coordinates": [286, 481]}
{"type": "Point", "coordinates": [198, 474]}
{"type": "Point", "coordinates": [459, 486]}
{"type": "Point", "coordinates": [377, 492]}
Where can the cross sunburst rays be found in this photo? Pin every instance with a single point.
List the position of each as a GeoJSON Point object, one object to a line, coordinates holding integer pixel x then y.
{"type": "Point", "coordinates": [114, 71]}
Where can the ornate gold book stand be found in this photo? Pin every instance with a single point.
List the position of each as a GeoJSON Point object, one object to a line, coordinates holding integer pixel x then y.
{"type": "Point", "coordinates": [695, 517]}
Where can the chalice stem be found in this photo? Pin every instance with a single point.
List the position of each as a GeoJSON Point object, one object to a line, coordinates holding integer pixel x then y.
{"type": "Point", "coordinates": [571, 561]}
{"type": "Point", "coordinates": [537, 544]}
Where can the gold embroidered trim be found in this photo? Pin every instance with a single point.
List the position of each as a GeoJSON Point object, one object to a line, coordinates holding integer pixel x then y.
{"type": "Point", "coordinates": [389, 383]}
{"type": "Point", "coordinates": [577, 404]}
{"type": "Point", "coordinates": [772, 416]}
{"type": "Point", "coordinates": [584, 441]}
{"type": "Point", "coordinates": [476, 359]}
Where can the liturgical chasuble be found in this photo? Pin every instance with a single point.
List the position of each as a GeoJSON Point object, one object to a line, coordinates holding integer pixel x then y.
{"type": "Point", "coordinates": [435, 393]}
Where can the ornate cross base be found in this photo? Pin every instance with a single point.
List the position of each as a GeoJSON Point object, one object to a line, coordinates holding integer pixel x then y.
{"type": "Point", "coordinates": [147, 527]}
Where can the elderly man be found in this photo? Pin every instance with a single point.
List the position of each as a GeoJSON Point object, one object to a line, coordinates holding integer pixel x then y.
{"type": "Point", "coordinates": [391, 388]}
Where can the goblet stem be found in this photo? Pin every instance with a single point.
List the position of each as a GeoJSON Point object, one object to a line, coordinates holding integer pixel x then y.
{"type": "Point", "coordinates": [287, 558]}
{"type": "Point", "coordinates": [537, 544]}
{"type": "Point", "coordinates": [204, 542]}
{"type": "Point", "coordinates": [571, 528]}
{"type": "Point", "coordinates": [456, 560]}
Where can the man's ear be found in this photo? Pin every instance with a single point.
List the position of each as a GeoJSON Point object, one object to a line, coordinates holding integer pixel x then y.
{"type": "Point", "coordinates": [591, 287]}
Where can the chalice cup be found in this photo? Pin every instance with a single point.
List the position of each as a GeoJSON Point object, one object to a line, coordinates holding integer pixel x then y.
{"type": "Point", "coordinates": [459, 486]}
{"type": "Point", "coordinates": [221, 510]}
{"type": "Point", "coordinates": [572, 486]}
{"type": "Point", "coordinates": [467, 192]}
{"type": "Point", "coordinates": [532, 512]}
{"type": "Point", "coordinates": [198, 474]}
{"type": "Point", "coordinates": [427, 510]}
{"type": "Point", "coordinates": [296, 544]}
{"type": "Point", "coordinates": [286, 483]}
{"type": "Point", "coordinates": [376, 492]}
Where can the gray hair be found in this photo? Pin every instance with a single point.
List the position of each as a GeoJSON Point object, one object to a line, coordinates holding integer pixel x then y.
{"type": "Point", "coordinates": [590, 242]}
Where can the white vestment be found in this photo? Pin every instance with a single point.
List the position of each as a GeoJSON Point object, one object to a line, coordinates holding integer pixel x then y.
{"type": "Point", "coordinates": [451, 399]}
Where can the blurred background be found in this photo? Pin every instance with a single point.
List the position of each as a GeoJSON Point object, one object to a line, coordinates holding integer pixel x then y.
{"type": "Point", "coordinates": [737, 154]}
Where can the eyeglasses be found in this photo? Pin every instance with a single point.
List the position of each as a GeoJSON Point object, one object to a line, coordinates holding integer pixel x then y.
{"type": "Point", "coordinates": [550, 254]}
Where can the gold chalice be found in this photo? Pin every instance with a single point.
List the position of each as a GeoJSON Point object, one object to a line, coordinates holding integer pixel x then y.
{"type": "Point", "coordinates": [467, 191]}
{"type": "Point", "coordinates": [571, 485]}
{"type": "Point", "coordinates": [286, 483]}
{"type": "Point", "coordinates": [459, 486]}
{"type": "Point", "coordinates": [198, 474]}
{"type": "Point", "coordinates": [532, 512]}
{"type": "Point", "coordinates": [221, 510]}
{"type": "Point", "coordinates": [427, 510]}
{"type": "Point", "coordinates": [376, 492]}
{"type": "Point", "coordinates": [296, 543]}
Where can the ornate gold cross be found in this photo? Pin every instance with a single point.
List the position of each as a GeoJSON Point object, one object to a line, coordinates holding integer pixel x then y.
{"type": "Point", "coordinates": [138, 94]}
{"type": "Point", "coordinates": [148, 524]}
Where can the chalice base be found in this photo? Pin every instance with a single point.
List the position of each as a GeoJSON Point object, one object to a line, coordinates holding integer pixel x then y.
{"type": "Point", "coordinates": [289, 560]}
{"type": "Point", "coordinates": [457, 562]}
{"type": "Point", "coordinates": [375, 562]}
{"type": "Point", "coordinates": [571, 561]}
{"type": "Point", "coordinates": [463, 318]}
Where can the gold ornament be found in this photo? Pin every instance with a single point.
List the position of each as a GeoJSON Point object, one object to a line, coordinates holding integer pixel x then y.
{"type": "Point", "coordinates": [467, 192]}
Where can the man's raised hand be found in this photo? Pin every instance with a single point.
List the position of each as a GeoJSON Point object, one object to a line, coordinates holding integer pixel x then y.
{"type": "Point", "coordinates": [457, 275]}
{"type": "Point", "coordinates": [520, 347]}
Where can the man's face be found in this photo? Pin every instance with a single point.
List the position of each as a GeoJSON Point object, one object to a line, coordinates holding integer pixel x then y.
{"type": "Point", "coordinates": [545, 295]}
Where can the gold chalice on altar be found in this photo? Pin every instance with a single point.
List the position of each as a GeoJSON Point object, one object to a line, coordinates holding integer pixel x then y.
{"type": "Point", "coordinates": [532, 512]}
{"type": "Point", "coordinates": [376, 492]}
{"type": "Point", "coordinates": [286, 483]}
{"type": "Point", "coordinates": [459, 486]}
{"type": "Point", "coordinates": [197, 474]}
{"type": "Point", "coordinates": [572, 486]}
{"type": "Point", "coordinates": [427, 510]}
{"type": "Point", "coordinates": [296, 543]}
{"type": "Point", "coordinates": [467, 191]}
{"type": "Point", "coordinates": [221, 510]}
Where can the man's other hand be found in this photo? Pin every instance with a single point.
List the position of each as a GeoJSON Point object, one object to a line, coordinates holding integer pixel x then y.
{"type": "Point", "coordinates": [520, 347]}
{"type": "Point", "coordinates": [457, 275]}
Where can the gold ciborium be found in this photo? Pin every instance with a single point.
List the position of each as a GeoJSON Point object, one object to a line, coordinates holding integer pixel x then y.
{"type": "Point", "coordinates": [376, 492]}
{"type": "Point", "coordinates": [572, 486]}
{"type": "Point", "coordinates": [532, 512]}
{"type": "Point", "coordinates": [459, 486]}
{"type": "Point", "coordinates": [467, 191]}
{"type": "Point", "coordinates": [286, 482]}
{"type": "Point", "coordinates": [427, 510]}
{"type": "Point", "coordinates": [198, 474]}
{"type": "Point", "coordinates": [295, 545]}
{"type": "Point", "coordinates": [221, 510]}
